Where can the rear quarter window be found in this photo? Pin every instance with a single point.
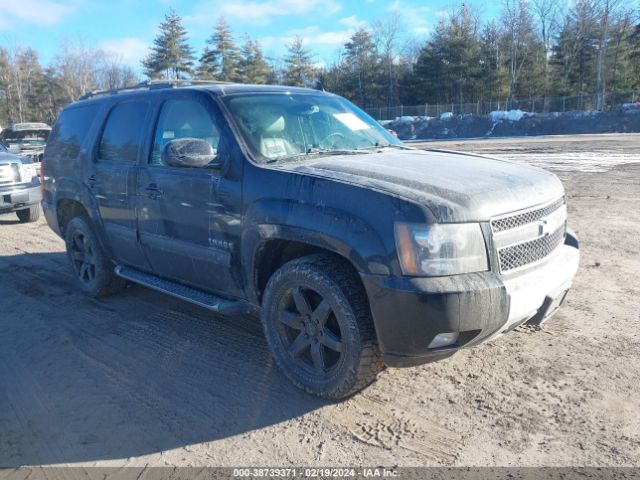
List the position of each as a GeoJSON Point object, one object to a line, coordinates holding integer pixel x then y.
{"type": "Point", "coordinates": [70, 131]}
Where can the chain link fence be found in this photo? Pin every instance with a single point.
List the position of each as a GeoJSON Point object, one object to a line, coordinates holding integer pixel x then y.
{"type": "Point", "coordinates": [585, 102]}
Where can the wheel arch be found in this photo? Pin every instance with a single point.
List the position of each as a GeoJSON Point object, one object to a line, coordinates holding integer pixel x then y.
{"type": "Point", "coordinates": [270, 253]}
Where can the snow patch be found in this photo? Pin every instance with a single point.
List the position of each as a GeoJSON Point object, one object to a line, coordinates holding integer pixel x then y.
{"type": "Point", "coordinates": [573, 162]}
{"type": "Point", "coordinates": [508, 115]}
{"type": "Point", "coordinates": [445, 115]}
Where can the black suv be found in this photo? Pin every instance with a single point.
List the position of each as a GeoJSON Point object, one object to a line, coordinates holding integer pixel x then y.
{"type": "Point", "coordinates": [356, 250]}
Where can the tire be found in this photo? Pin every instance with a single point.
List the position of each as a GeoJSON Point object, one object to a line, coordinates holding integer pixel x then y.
{"type": "Point", "coordinates": [92, 269]}
{"type": "Point", "coordinates": [317, 322]}
{"type": "Point", "coordinates": [28, 215]}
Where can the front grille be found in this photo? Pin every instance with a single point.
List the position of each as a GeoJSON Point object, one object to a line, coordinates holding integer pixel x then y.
{"type": "Point", "coordinates": [523, 254]}
{"type": "Point", "coordinates": [525, 237]}
{"type": "Point", "coordinates": [520, 219]}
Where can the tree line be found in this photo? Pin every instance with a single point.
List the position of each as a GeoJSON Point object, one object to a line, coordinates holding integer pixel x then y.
{"type": "Point", "coordinates": [31, 92]}
{"type": "Point", "coordinates": [533, 48]}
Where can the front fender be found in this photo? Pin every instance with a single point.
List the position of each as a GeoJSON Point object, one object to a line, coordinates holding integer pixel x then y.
{"type": "Point", "coordinates": [320, 226]}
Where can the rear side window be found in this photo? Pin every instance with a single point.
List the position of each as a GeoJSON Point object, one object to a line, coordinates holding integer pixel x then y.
{"type": "Point", "coordinates": [70, 131]}
{"type": "Point", "coordinates": [122, 133]}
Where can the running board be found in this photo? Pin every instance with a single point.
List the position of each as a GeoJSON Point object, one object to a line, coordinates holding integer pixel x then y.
{"type": "Point", "coordinates": [189, 294]}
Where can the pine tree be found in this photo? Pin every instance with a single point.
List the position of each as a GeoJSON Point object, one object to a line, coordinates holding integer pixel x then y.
{"type": "Point", "coordinates": [254, 68]}
{"type": "Point", "coordinates": [448, 69]}
{"type": "Point", "coordinates": [634, 55]}
{"type": "Point", "coordinates": [575, 51]}
{"type": "Point", "coordinates": [361, 59]}
{"type": "Point", "coordinates": [298, 71]}
{"type": "Point", "coordinates": [221, 59]}
{"type": "Point", "coordinates": [171, 55]}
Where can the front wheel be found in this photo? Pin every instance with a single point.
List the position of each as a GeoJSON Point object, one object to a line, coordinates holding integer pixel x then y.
{"type": "Point", "coordinates": [93, 269]}
{"type": "Point", "coordinates": [318, 325]}
{"type": "Point", "coordinates": [28, 215]}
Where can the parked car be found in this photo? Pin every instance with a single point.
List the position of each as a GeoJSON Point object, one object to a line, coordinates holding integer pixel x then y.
{"type": "Point", "coordinates": [19, 186]}
{"type": "Point", "coordinates": [27, 139]}
{"type": "Point", "coordinates": [357, 251]}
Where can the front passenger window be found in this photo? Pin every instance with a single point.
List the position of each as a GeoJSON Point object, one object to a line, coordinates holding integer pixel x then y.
{"type": "Point", "coordinates": [183, 118]}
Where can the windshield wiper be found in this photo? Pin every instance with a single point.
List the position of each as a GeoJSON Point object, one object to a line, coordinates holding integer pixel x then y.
{"type": "Point", "coordinates": [319, 152]}
{"type": "Point", "coordinates": [387, 145]}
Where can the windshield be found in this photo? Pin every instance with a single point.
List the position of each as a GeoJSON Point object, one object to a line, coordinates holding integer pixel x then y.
{"type": "Point", "coordinates": [280, 126]}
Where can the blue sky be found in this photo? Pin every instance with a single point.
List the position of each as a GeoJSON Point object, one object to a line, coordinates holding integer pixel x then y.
{"type": "Point", "coordinates": [129, 26]}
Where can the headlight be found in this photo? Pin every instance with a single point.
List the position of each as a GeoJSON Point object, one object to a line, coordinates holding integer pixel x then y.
{"type": "Point", "coordinates": [441, 249]}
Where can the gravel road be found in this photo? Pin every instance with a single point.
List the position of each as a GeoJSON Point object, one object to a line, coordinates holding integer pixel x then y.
{"type": "Point", "coordinates": [143, 379]}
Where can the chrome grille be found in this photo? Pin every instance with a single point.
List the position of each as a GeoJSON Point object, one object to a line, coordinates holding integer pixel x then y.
{"type": "Point", "coordinates": [523, 254]}
{"type": "Point", "coordinates": [517, 220]}
{"type": "Point", "coordinates": [526, 237]}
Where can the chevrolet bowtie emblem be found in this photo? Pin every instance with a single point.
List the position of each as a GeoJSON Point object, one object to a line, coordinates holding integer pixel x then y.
{"type": "Point", "coordinates": [543, 228]}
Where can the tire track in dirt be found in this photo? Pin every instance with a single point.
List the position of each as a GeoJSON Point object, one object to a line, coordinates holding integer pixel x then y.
{"type": "Point", "coordinates": [382, 424]}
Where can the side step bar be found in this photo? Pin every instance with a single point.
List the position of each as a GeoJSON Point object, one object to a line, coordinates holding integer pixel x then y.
{"type": "Point", "coordinates": [204, 299]}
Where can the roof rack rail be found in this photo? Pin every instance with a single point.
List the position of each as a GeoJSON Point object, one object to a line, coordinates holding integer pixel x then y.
{"type": "Point", "coordinates": [151, 85]}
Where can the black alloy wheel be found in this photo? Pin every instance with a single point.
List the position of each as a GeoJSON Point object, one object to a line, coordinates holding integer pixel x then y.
{"type": "Point", "coordinates": [316, 319]}
{"type": "Point", "coordinates": [309, 330]}
{"type": "Point", "coordinates": [83, 257]}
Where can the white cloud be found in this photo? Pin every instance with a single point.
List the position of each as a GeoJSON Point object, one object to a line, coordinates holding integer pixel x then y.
{"type": "Point", "coordinates": [260, 12]}
{"type": "Point", "coordinates": [131, 50]}
{"type": "Point", "coordinates": [36, 12]}
{"type": "Point", "coordinates": [417, 18]}
{"type": "Point", "coordinates": [311, 36]}
{"type": "Point", "coordinates": [352, 22]}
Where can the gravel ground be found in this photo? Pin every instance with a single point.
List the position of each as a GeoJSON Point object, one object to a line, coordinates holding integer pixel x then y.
{"type": "Point", "coordinates": [144, 379]}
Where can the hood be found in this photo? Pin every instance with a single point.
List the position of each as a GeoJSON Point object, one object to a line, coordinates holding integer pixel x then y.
{"type": "Point", "coordinates": [455, 187]}
{"type": "Point", "coordinates": [9, 158]}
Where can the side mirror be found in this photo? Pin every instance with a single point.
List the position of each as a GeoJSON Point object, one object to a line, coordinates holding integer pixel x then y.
{"type": "Point", "coordinates": [188, 153]}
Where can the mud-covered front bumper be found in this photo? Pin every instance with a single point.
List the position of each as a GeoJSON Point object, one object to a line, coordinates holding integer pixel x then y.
{"type": "Point", "coordinates": [410, 312]}
{"type": "Point", "coordinates": [18, 197]}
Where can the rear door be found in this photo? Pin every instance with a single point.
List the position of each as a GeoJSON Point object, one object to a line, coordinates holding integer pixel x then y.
{"type": "Point", "coordinates": [113, 179]}
{"type": "Point", "coordinates": [189, 218]}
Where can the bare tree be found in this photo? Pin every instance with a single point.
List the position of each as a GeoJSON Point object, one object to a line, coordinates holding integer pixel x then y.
{"type": "Point", "coordinates": [111, 72]}
{"type": "Point", "coordinates": [19, 73]}
{"type": "Point", "coordinates": [386, 35]}
{"type": "Point", "coordinates": [547, 12]}
{"type": "Point", "coordinates": [74, 65]}
{"type": "Point", "coordinates": [519, 38]}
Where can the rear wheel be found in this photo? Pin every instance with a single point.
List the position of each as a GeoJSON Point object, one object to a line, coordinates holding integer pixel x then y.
{"type": "Point", "coordinates": [28, 215]}
{"type": "Point", "coordinates": [317, 322]}
{"type": "Point", "coordinates": [92, 268]}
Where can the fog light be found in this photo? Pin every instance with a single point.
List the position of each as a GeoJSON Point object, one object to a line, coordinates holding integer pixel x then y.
{"type": "Point", "coordinates": [444, 340]}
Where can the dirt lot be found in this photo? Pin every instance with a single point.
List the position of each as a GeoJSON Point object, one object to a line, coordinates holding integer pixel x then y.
{"type": "Point", "coordinates": [143, 379]}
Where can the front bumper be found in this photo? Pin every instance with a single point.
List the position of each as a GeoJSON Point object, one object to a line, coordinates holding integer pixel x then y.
{"type": "Point", "coordinates": [17, 197]}
{"type": "Point", "coordinates": [409, 312]}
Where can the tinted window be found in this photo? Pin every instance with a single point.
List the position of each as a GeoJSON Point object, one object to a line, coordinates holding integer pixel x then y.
{"type": "Point", "coordinates": [122, 134]}
{"type": "Point", "coordinates": [182, 118]}
{"type": "Point", "coordinates": [70, 131]}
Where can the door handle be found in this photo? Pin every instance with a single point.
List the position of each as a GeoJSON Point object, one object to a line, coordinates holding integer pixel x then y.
{"type": "Point", "coordinates": [153, 191]}
{"type": "Point", "coordinates": [92, 181]}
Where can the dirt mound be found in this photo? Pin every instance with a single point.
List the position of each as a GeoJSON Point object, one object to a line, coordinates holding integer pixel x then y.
{"type": "Point", "coordinates": [623, 120]}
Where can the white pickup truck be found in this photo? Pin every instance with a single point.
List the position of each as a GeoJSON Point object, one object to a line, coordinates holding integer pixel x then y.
{"type": "Point", "coordinates": [19, 186]}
